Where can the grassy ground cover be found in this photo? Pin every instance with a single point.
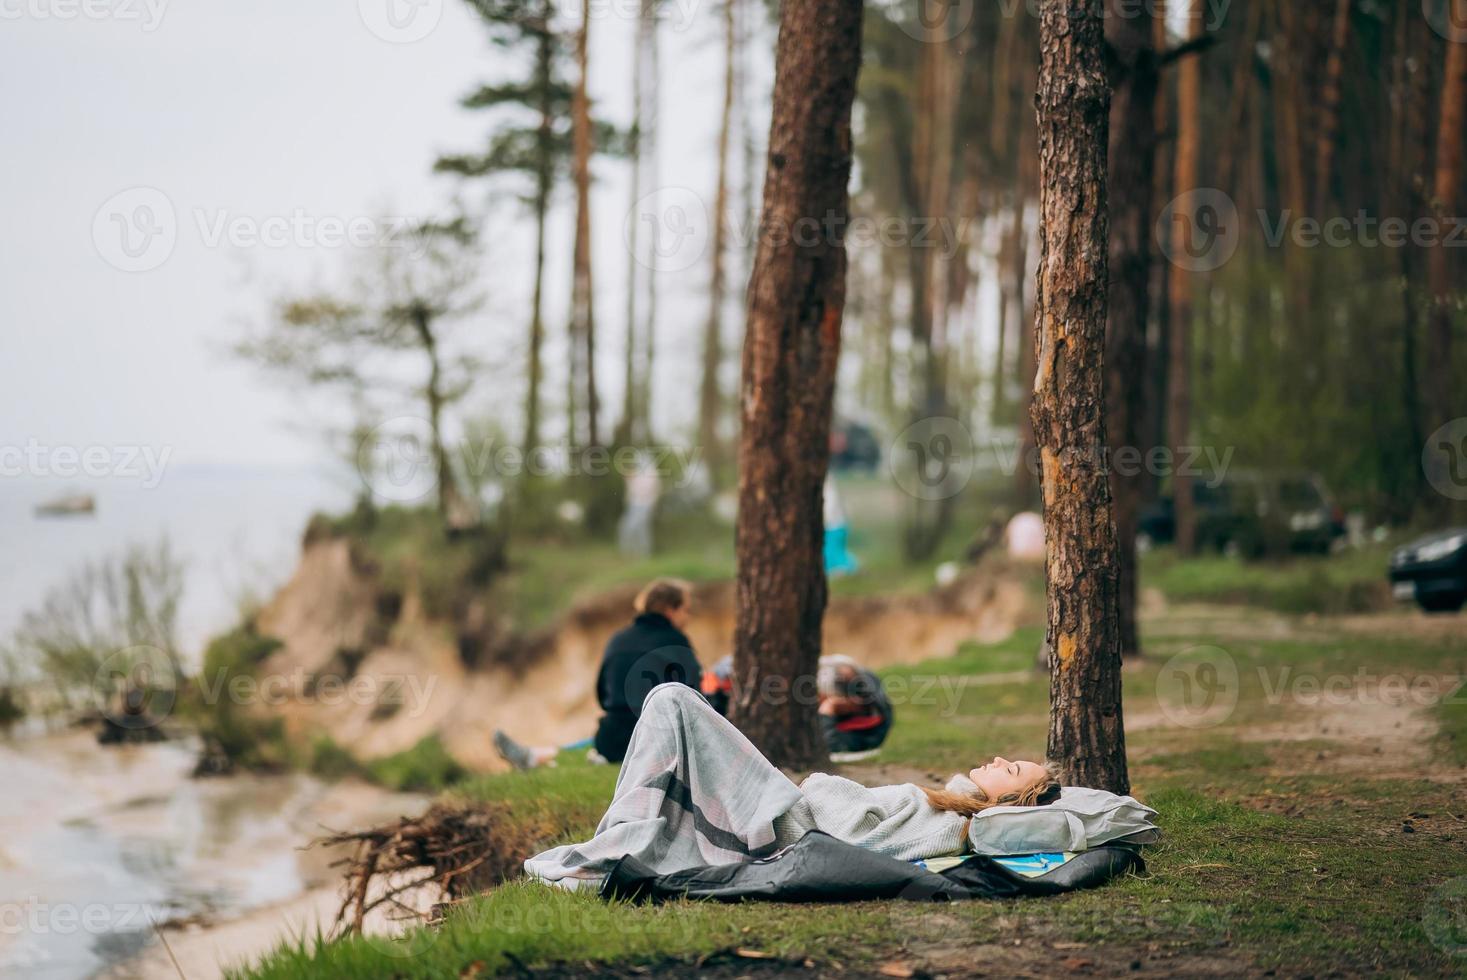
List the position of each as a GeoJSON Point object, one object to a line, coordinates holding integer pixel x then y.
{"type": "Point", "coordinates": [1303, 836]}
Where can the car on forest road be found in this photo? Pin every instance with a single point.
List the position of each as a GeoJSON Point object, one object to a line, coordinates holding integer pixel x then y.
{"type": "Point", "coordinates": [1253, 514]}
{"type": "Point", "coordinates": [1432, 571]}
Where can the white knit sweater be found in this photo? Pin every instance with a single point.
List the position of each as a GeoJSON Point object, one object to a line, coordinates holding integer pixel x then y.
{"type": "Point", "coordinates": [894, 820]}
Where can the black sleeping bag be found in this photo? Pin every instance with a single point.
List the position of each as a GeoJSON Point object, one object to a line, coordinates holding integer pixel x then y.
{"type": "Point", "coordinates": [822, 869]}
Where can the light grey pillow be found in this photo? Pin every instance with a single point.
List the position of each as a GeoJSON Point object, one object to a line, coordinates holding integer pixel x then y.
{"type": "Point", "coordinates": [1079, 820]}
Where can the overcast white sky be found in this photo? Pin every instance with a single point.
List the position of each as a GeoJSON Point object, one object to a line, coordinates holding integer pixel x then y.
{"type": "Point", "coordinates": [239, 113]}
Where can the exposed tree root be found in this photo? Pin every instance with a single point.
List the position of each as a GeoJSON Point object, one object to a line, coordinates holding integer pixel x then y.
{"type": "Point", "coordinates": [412, 867]}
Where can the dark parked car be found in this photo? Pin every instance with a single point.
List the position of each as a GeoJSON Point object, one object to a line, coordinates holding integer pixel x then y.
{"type": "Point", "coordinates": [1432, 571]}
{"type": "Point", "coordinates": [853, 446]}
{"type": "Point", "coordinates": [1253, 514]}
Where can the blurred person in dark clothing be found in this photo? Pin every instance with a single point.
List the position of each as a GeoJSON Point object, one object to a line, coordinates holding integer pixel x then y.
{"type": "Point", "coordinates": [652, 650]}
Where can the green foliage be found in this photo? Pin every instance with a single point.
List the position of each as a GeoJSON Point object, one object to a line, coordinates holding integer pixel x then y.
{"type": "Point", "coordinates": [1452, 716]}
{"type": "Point", "coordinates": [113, 612]}
{"type": "Point", "coordinates": [1354, 581]}
{"type": "Point", "coordinates": [425, 768]}
{"type": "Point", "coordinates": [411, 552]}
{"type": "Point", "coordinates": [249, 739]}
{"type": "Point", "coordinates": [11, 710]}
{"type": "Point", "coordinates": [1332, 394]}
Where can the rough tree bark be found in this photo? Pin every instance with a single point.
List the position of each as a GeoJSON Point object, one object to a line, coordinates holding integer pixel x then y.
{"type": "Point", "coordinates": [1179, 290]}
{"type": "Point", "coordinates": [792, 342]}
{"type": "Point", "coordinates": [1135, 77]}
{"type": "Point", "coordinates": [1086, 734]}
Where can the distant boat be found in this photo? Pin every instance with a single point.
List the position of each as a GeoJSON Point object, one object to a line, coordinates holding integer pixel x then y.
{"type": "Point", "coordinates": [67, 506]}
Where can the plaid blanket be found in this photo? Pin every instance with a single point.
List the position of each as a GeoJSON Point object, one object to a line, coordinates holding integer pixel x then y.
{"type": "Point", "coordinates": [693, 791]}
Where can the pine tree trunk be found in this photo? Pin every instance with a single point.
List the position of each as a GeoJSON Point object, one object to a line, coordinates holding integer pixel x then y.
{"type": "Point", "coordinates": [583, 322]}
{"type": "Point", "coordinates": [647, 144]}
{"type": "Point", "coordinates": [1179, 290]}
{"type": "Point", "coordinates": [1086, 734]}
{"type": "Point", "coordinates": [449, 501]}
{"type": "Point", "coordinates": [627, 433]}
{"type": "Point", "coordinates": [1445, 402]}
{"type": "Point", "coordinates": [1132, 161]}
{"type": "Point", "coordinates": [796, 297]}
{"type": "Point", "coordinates": [710, 397]}
{"type": "Point", "coordinates": [1024, 474]}
{"type": "Point", "coordinates": [1329, 108]}
{"type": "Point", "coordinates": [544, 166]}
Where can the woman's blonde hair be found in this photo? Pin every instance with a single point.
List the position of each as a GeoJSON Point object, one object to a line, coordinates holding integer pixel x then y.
{"type": "Point", "coordinates": [1044, 790]}
{"type": "Point", "coordinates": [663, 595]}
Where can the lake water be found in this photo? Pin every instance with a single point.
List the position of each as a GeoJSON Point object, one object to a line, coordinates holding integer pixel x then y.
{"type": "Point", "coordinates": [97, 845]}
{"type": "Point", "coordinates": [237, 529]}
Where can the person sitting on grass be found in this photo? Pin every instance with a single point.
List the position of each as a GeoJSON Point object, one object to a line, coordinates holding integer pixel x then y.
{"type": "Point", "coordinates": [653, 650]}
{"type": "Point", "coordinates": [693, 791]}
{"type": "Point", "coordinates": [855, 713]}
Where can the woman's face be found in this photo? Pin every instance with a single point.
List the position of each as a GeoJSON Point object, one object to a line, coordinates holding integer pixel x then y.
{"type": "Point", "coordinates": [1002, 776]}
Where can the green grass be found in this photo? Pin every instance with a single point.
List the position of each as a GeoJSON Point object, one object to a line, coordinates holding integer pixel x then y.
{"type": "Point", "coordinates": [1452, 717]}
{"type": "Point", "coordinates": [1266, 861]}
{"type": "Point", "coordinates": [1354, 581]}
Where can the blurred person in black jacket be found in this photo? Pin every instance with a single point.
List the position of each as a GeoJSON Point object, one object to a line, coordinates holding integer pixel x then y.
{"type": "Point", "coordinates": [653, 650]}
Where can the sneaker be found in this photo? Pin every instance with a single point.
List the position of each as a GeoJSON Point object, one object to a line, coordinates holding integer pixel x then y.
{"type": "Point", "coordinates": [513, 752]}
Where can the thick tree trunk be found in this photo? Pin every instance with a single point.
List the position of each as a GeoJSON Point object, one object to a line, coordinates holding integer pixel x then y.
{"type": "Point", "coordinates": [1132, 162]}
{"type": "Point", "coordinates": [583, 319]}
{"type": "Point", "coordinates": [1086, 734]}
{"type": "Point", "coordinates": [791, 347]}
{"type": "Point", "coordinates": [1445, 401]}
{"type": "Point", "coordinates": [710, 396]}
{"type": "Point", "coordinates": [1179, 290]}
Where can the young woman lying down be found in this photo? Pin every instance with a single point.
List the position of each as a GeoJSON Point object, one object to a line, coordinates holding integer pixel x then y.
{"type": "Point", "coordinates": [694, 791]}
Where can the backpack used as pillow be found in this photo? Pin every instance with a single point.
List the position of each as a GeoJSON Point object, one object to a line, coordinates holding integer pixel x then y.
{"type": "Point", "coordinates": [1079, 820]}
